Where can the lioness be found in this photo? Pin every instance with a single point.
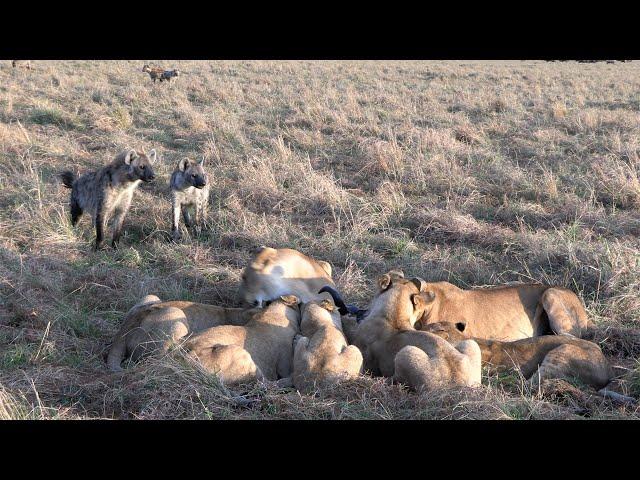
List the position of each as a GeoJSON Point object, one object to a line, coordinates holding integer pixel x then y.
{"type": "Point", "coordinates": [508, 312]}
{"type": "Point", "coordinates": [275, 272]}
{"type": "Point", "coordinates": [538, 358]}
{"type": "Point", "coordinates": [260, 350]}
{"type": "Point", "coordinates": [152, 324]}
{"type": "Point", "coordinates": [322, 354]}
{"type": "Point", "coordinates": [389, 328]}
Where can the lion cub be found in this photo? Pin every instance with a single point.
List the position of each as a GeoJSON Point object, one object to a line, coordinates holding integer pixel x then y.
{"type": "Point", "coordinates": [391, 346]}
{"type": "Point", "coordinates": [189, 192]}
{"type": "Point", "coordinates": [260, 350]}
{"type": "Point", "coordinates": [538, 358]}
{"type": "Point", "coordinates": [322, 354]}
{"type": "Point", "coordinates": [152, 324]}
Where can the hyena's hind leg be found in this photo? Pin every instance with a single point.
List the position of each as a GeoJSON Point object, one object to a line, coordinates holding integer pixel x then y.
{"type": "Point", "coordinates": [565, 311]}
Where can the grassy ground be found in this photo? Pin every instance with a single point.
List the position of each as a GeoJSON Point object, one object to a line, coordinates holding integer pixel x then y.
{"type": "Point", "coordinates": [475, 173]}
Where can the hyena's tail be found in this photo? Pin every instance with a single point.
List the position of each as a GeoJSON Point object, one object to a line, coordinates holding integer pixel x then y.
{"type": "Point", "coordinates": [68, 177]}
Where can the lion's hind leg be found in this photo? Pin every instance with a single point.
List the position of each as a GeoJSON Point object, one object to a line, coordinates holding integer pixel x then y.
{"type": "Point", "coordinates": [231, 363]}
{"type": "Point", "coordinates": [565, 311]}
{"type": "Point", "coordinates": [347, 364]}
{"type": "Point", "coordinates": [459, 366]}
{"type": "Point", "coordinates": [587, 365]}
{"type": "Point", "coordinates": [159, 330]}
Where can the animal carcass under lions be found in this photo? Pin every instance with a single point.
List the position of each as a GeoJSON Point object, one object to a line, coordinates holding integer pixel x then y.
{"type": "Point", "coordinates": [189, 191]}
{"type": "Point", "coordinates": [106, 193]}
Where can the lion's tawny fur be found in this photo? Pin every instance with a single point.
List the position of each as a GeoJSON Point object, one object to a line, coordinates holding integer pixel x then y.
{"type": "Point", "coordinates": [321, 354]}
{"type": "Point", "coordinates": [284, 271]}
{"type": "Point", "coordinates": [261, 349]}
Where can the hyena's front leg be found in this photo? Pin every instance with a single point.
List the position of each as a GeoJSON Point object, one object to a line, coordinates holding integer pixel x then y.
{"type": "Point", "coordinates": [187, 217]}
{"type": "Point", "coordinates": [76, 211]}
{"type": "Point", "coordinates": [175, 226]}
{"type": "Point", "coordinates": [118, 220]}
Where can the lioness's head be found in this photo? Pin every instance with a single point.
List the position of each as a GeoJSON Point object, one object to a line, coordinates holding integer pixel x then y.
{"type": "Point", "coordinates": [261, 278]}
{"type": "Point", "coordinates": [139, 164]}
{"type": "Point", "coordinates": [400, 301]}
{"type": "Point", "coordinates": [452, 332]}
{"type": "Point", "coordinates": [193, 173]}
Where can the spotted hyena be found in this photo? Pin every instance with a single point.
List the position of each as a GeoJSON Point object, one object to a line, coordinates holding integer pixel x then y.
{"type": "Point", "coordinates": [189, 191]}
{"type": "Point", "coordinates": [106, 193]}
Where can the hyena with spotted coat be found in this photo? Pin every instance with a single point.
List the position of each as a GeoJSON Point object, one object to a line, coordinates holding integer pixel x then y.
{"type": "Point", "coordinates": [106, 193]}
{"type": "Point", "coordinates": [189, 191]}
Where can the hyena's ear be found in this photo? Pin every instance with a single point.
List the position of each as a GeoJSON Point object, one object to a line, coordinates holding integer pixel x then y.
{"type": "Point", "coordinates": [184, 164]}
{"type": "Point", "coordinates": [201, 162]}
{"type": "Point", "coordinates": [130, 156]}
{"type": "Point", "coordinates": [152, 156]}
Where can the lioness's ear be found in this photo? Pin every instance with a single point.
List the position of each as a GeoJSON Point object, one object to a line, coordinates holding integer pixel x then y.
{"type": "Point", "coordinates": [184, 164]}
{"type": "Point", "coordinates": [396, 273]}
{"type": "Point", "coordinates": [326, 266]}
{"type": "Point", "coordinates": [130, 156]}
{"type": "Point", "coordinates": [152, 156]}
{"type": "Point", "coordinates": [461, 326]}
{"type": "Point", "coordinates": [289, 300]}
{"type": "Point", "coordinates": [263, 256]}
{"type": "Point", "coordinates": [420, 284]}
{"type": "Point", "coordinates": [384, 281]}
{"type": "Point", "coordinates": [328, 305]}
{"type": "Point", "coordinates": [421, 300]}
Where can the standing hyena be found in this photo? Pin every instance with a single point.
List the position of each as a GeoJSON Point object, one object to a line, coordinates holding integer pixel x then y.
{"type": "Point", "coordinates": [189, 190]}
{"type": "Point", "coordinates": [106, 193]}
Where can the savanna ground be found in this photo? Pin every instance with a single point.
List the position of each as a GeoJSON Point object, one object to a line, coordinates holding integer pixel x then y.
{"type": "Point", "coordinates": [471, 172]}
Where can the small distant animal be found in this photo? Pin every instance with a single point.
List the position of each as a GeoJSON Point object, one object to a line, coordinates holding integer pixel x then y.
{"type": "Point", "coordinates": [169, 74]}
{"type": "Point", "coordinates": [106, 193]}
{"type": "Point", "coordinates": [21, 64]}
{"type": "Point", "coordinates": [189, 193]}
{"type": "Point", "coordinates": [154, 72]}
{"type": "Point", "coordinates": [158, 73]}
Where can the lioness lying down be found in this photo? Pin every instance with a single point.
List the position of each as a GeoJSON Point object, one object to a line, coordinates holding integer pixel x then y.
{"type": "Point", "coordinates": [322, 354]}
{"type": "Point", "coordinates": [392, 347]}
{"type": "Point", "coordinates": [262, 349]}
{"type": "Point", "coordinates": [275, 272]}
{"type": "Point", "coordinates": [538, 358]}
{"type": "Point", "coordinates": [152, 324]}
{"type": "Point", "coordinates": [508, 312]}
{"type": "Point", "coordinates": [501, 313]}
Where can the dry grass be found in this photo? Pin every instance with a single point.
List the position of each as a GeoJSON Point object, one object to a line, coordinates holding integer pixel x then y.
{"type": "Point", "coordinates": [476, 173]}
